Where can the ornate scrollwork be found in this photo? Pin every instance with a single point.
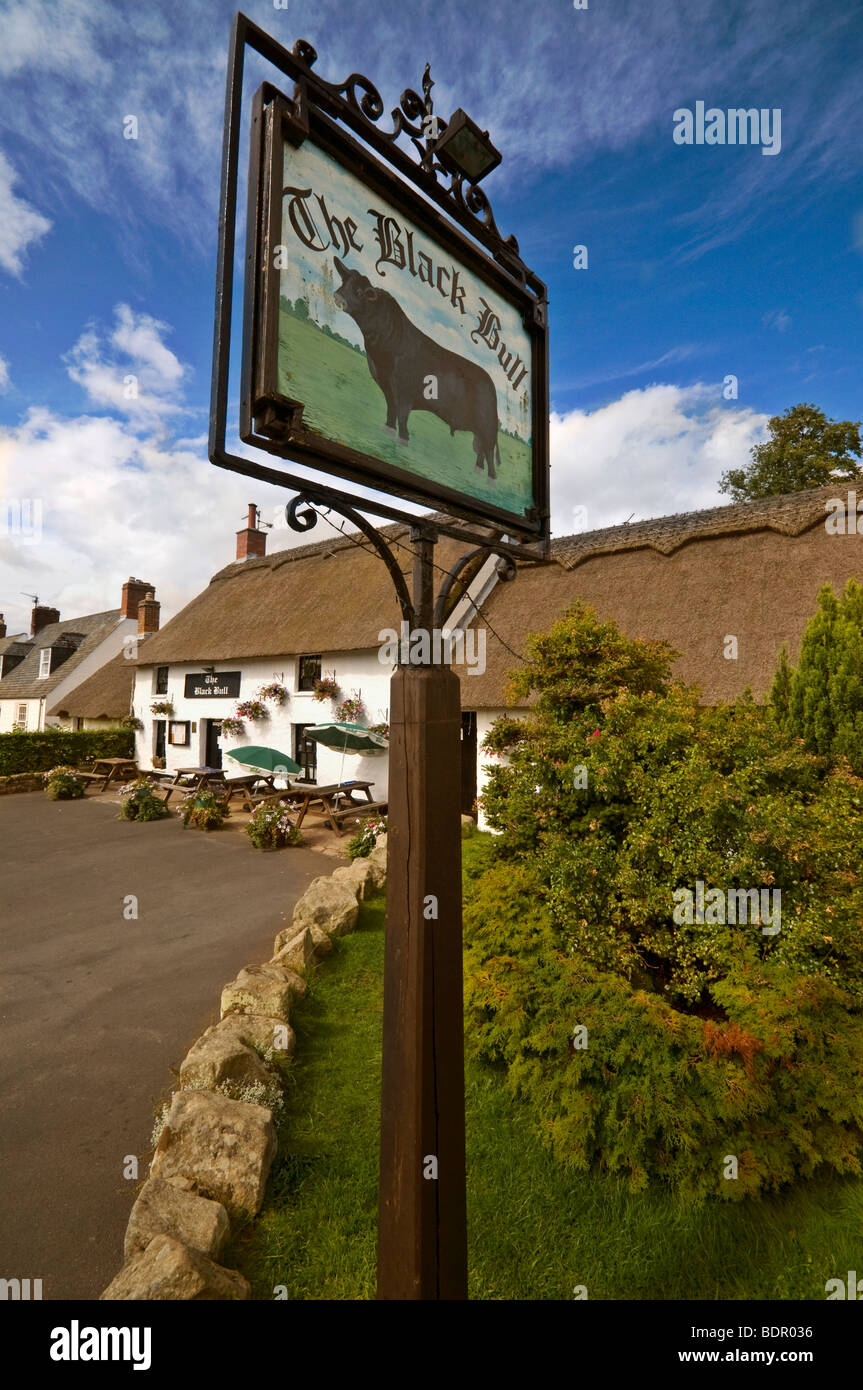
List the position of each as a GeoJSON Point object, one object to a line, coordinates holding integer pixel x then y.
{"type": "Point", "coordinates": [409, 119]}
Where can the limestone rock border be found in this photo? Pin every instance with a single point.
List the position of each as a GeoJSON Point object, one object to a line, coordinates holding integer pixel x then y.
{"type": "Point", "coordinates": [209, 1170]}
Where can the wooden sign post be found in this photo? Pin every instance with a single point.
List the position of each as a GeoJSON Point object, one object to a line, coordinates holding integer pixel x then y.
{"type": "Point", "coordinates": [422, 1240]}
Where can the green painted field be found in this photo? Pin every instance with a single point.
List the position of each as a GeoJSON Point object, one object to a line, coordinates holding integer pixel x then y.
{"type": "Point", "coordinates": [534, 1231]}
{"type": "Point", "coordinates": [345, 404]}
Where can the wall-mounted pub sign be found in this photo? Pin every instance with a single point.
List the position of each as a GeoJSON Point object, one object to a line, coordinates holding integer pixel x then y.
{"type": "Point", "coordinates": [212, 685]}
{"type": "Point", "coordinates": [381, 343]}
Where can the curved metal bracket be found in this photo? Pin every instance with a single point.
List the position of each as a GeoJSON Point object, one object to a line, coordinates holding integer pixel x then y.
{"type": "Point", "coordinates": [442, 608]}
{"type": "Point", "coordinates": [308, 518]}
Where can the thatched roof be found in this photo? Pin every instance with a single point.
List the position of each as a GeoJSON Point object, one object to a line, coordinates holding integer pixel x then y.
{"type": "Point", "coordinates": [751, 570]}
{"type": "Point", "coordinates": [107, 694]}
{"type": "Point", "coordinates": [333, 596]}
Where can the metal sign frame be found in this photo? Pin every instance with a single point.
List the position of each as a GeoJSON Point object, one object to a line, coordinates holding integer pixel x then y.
{"type": "Point", "coordinates": [317, 106]}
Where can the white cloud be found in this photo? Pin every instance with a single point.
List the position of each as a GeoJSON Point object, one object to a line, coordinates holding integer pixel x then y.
{"type": "Point", "coordinates": [650, 453]}
{"type": "Point", "coordinates": [20, 224]}
{"type": "Point", "coordinates": [146, 386]}
{"type": "Point", "coordinates": [5, 381]}
{"type": "Point", "coordinates": [778, 319]}
{"type": "Point", "coordinates": [116, 501]}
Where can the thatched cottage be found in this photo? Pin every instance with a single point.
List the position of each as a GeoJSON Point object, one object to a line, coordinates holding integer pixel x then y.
{"type": "Point", "coordinates": [726, 587]}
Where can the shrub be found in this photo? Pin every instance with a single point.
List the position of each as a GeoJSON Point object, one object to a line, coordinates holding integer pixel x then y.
{"type": "Point", "coordinates": [63, 784]}
{"type": "Point", "coordinates": [140, 802]}
{"type": "Point", "coordinates": [621, 792]}
{"type": "Point", "coordinates": [40, 751]}
{"type": "Point", "coordinates": [365, 839]}
{"type": "Point", "coordinates": [203, 811]}
{"type": "Point", "coordinates": [271, 827]}
{"type": "Point", "coordinates": [649, 1091]}
{"type": "Point", "coordinates": [821, 701]}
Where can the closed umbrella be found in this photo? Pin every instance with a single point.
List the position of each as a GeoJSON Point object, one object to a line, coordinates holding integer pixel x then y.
{"type": "Point", "coordinates": [264, 759]}
{"type": "Point", "coordinates": [349, 738]}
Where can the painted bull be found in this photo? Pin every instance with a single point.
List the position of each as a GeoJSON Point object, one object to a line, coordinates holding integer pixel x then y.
{"type": "Point", "coordinates": [416, 373]}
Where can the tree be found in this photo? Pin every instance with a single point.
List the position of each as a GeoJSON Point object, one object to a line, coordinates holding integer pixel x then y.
{"type": "Point", "coordinates": [804, 450]}
{"type": "Point", "coordinates": [821, 701]}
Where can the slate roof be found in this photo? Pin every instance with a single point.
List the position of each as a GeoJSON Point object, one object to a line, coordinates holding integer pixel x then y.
{"type": "Point", "coordinates": [24, 682]}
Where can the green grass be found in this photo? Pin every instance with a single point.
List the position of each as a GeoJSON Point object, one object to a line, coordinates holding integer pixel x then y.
{"type": "Point", "coordinates": [534, 1231]}
{"type": "Point", "coordinates": [344, 404]}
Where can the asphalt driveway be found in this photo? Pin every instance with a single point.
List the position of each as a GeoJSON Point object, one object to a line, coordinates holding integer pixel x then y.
{"type": "Point", "coordinates": [97, 1006]}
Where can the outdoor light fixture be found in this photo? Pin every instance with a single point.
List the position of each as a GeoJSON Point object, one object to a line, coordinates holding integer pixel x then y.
{"type": "Point", "coordinates": [465, 149]}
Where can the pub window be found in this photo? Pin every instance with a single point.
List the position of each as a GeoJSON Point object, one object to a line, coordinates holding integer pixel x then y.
{"type": "Point", "coordinates": [306, 754]}
{"type": "Point", "coordinates": [310, 671]}
{"type": "Point", "coordinates": [21, 720]}
{"type": "Point", "coordinates": [161, 680]}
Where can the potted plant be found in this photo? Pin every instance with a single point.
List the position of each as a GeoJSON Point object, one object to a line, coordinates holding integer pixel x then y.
{"type": "Point", "coordinates": [275, 692]}
{"type": "Point", "coordinates": [271, 827]}
{"type": "Point", "coordinates": [157, 761]}
{"type": "Point", "coordinates": [63, 784]}
{"type": "Point", "coordinates": [165, 707]}
{"type": "Point", "coordinates": [326, 688]}
{"type": "Point", "coordinates": [203, 811]}
{"type": "Point", "coordinates": [351, 710]}
{"type": "Point", "coordinates": [139, 802]}
{"type": "Point", "coordinates": [251, 709]}
{"type": "Point", "coordinates": [233, 725]}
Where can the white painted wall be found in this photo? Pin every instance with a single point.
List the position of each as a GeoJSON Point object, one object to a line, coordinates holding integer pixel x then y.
{"type": "Point", "coordinates": [484, 761]}
{"type": "Point", "coordinates": [354, 671]}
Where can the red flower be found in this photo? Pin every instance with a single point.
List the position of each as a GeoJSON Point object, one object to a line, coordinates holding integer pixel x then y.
{"type": "Point", "coordinates": [595, 734]}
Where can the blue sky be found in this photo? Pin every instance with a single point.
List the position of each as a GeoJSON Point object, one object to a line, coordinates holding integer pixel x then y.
{"type": "Point", "coordinates": [703, 261]}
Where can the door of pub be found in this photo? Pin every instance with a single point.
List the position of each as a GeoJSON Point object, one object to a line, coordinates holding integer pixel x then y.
{"type": "Point", "coordinates": [212, 751]}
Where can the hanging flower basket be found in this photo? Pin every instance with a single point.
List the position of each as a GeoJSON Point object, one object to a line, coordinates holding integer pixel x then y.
{"type": "Point", "coordinates": [162, 707]}
{"type": "Point", "coordinates": [233, 726]}
{"type": "Point", "coordinates": [352, 710]}
{"type": "Point", "coordinates": [275, 692]}
{"type": "Point", "coordinates": [382, 729]}
{"type": "Point", "coordinates": [251, 709]}
{"type": "Point", "coordinates": [326, 688]}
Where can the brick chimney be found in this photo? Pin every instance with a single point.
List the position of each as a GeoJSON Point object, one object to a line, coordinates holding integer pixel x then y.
{"type": "Point", "coordinates": [2, 624]}
{"type": "Point", "coordinates": [251, 543]}
{"type": "Point", "coordinates": [148, 614]}
{"type": "Point", "coordinates": [41, 616]}
{"type": "Point", "coordinates": [133, 591]}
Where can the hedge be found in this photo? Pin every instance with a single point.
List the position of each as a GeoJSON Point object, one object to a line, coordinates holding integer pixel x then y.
{"type": "Point", "coordinates": [39, 752]}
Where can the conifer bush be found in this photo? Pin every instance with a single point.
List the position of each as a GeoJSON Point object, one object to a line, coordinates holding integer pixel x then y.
{"type": "Point", "coordinates": [705, 1038]}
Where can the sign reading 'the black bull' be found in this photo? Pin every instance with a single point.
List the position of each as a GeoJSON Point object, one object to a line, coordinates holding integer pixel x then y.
{"type": "Point", "coordinates": [212, 685]}
{"type": "Point", "coordinates": [382, 344]}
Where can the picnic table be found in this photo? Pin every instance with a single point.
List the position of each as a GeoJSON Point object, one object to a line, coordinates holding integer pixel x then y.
{"type": "Point", "coordinates": [335, 803]}
{"type": "Point", "coordinates": [196, 779]}
{"type": "Point", "coordinates": [107, 770]}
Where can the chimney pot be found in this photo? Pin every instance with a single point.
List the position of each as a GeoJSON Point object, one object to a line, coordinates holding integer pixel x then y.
{"type": "Point", "coordinates": [42, 616]}
{"type": "Point", "coordinates": [133, 591]}
{"type": "Point", "coordinates": [2, 624]}
{"type": "Point", "coordinates": [251, 543]}
{"type": "Point", "coordinates": [148, 614]}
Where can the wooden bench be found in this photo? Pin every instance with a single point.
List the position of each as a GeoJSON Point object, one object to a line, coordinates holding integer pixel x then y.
{"type": "Point", "coordinates": [359, 811]}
